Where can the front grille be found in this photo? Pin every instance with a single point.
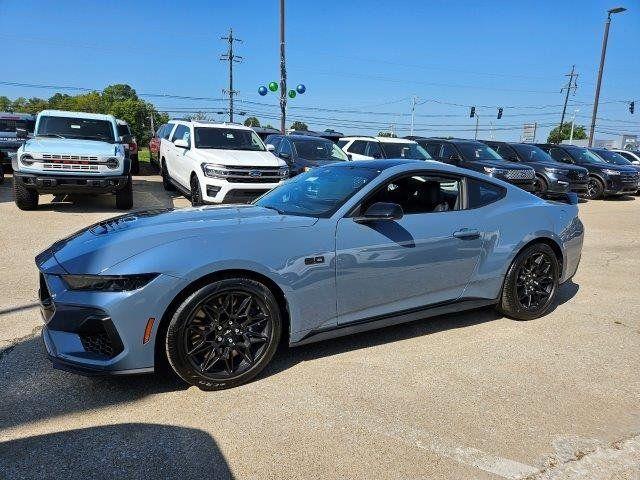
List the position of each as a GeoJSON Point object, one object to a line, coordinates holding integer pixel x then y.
{"type": "Point", "coordinates": [98, 343]}
{"type": "Point", "coordinates": [242, 196]}
{"type": "Point", "coordinates": [71, 166]}
{"type": "Point", "coordinates": [51, 156]}
{"type": "Point", "coordinates": [253, 174]}
{"type": "Point", "coordinates": [519, 174]}
{"type": "Point", "coordinates": [629, 177]}
{"type": "Point", "coordinates": [573, 175]}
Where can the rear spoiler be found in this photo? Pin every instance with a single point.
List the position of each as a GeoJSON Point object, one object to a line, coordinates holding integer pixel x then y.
{"type": "Point", "coordinates": [570, 197]}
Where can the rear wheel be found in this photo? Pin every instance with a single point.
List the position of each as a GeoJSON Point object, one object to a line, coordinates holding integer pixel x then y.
{"type": "Point", "coordinates": [124, 196]}
{"type": "Point", "coordinates": [25, 198]}
{"type": "Point", "coordinates": [531, 283]}
{"type": "Point", "coordinates": [166, 179]}
{"type": "Point", "coordinates": [595, 189]}
{"type": "Point", "coordinates": [135, 165]}
{"type": "Point", "coordinates": [224, 334]}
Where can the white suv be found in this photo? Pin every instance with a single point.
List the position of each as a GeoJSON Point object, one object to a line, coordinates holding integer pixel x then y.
{"type": "Point", "coordinates": [217, 162]}
{"type": "Point", "coordinates": [369, 148]}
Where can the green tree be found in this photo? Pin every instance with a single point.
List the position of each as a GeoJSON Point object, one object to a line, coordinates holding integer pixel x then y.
{"type": "Point", "coordinates": [300, 126]}
{"type": "Point", "coordinates": [557, 135]}
{"type": "Point", "coordinates": [5, 104]}
{"type": "Point", "coordinates": [252, 122]}
{"type": "Point", "coordinates": [268, 125]}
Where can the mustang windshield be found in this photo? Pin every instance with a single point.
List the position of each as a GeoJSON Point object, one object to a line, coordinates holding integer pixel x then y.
{"type": "Point", "coordinates": [319, 150]}
{"type": "Point", "coordinates": [227, 139]}
{"type": "Point", "coordinates": [83, 128]}
{"type": "Point", "coordinates": [404, 150]}
{"type": "Point", "coordinates": [318, 192]}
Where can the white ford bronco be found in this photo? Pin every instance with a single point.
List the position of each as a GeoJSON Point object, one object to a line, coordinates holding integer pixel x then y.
{"type": "Point", "coordinates": [72, 152]}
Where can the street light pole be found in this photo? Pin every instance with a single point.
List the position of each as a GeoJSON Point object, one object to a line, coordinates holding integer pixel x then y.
{"type": "Point", "coordinates": [573, 123]}
{"type": "Point", "coordinates": [283, 74]}
{"type": "Point", "coordinates": [477, 120]}
{"type": "Point", "coordinates": [602, 57]}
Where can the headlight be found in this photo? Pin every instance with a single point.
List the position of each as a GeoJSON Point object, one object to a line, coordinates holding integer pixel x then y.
{"type": "Point", "coordinates": [108, 283]}
{"type": "Point", "coordinates": [306, 169]}
{"type": "Point", "coordinates": [494, 170]}
{"type": "Point", "coordinates": [112, 163]}
{"type": "Point", "coordinates": [610, 172]}
{"type": "Point", "coordinates": [556, 170]}
{"type": "Point", "coordinates": [215, 171]}
{"type": "Point", "coordinates": [26, 159]}
{"type": "Point", "coordinates": [283, 172]}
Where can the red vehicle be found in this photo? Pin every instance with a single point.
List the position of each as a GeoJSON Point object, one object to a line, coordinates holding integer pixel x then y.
{"type": "Point", "coordinates": [130, 145]}
{"type": "Point", "coordinates": [154, 143]}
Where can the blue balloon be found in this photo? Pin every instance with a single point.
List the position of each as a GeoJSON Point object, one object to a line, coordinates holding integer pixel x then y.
{"type": "Point", "coordinates": [262, 90]}
{"type": "Point", "coordinates": [301, 88]}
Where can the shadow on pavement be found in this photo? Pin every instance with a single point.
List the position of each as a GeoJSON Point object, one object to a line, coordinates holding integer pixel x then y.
{"type": "Point", "coordinates": [128, 450]}
{"type": "Point", "coordinates": [620, 198]}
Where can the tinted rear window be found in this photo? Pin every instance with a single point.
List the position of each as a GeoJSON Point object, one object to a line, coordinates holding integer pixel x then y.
{"type": "Point", "coordinates": [481, 193]}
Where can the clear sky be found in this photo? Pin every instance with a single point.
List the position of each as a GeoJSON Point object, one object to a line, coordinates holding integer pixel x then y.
{"type": "Point", "coordinates": [361, 61]}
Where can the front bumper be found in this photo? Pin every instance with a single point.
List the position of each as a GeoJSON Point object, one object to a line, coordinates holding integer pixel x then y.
{"type": "Point", "coordinates": [527, 185]}
{"type": "Point", "coordinates": [52, 183]}
{"type": "Point", "coordinates": [615, 185]}
{"type": "Point", "coordinates": [102, 333]}
{"type": "Point", "coordinates": [221, 191]}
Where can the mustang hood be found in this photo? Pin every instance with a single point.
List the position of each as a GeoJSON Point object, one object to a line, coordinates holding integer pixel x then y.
{"type": "Point", "coordinates": [100, 246]}
{"type": "Point", "coordinates": [61, 146]}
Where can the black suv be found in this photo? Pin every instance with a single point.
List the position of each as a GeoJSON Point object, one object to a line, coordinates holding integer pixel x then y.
{"type": "Point", "coordinates": [479, 157]}
{"type": "Point", "coordinates": [304, 152]}
{"type": "Point", "coordinates": [604, 178]}
{"type": "Point", "coordinates": [552, 178]}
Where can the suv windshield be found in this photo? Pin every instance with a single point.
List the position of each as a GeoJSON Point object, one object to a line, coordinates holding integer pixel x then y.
{"type": "Point", "coordinates": [582, 155]}
{"type": "Point", "coordinates": [531, 153]}
{"type": "Point", "coordinates": [478, 151]}
{"type": "Point", "coordinates": [318, 150]}
{"type": "Point", "coordinates": [84, 128]}
{"type": "Point", "coordinates": [318, 192]}
{"type": "Point", "coordinates": [404, 150]}
{"type": "Point", "coordinates": [227, 139]}
{"type": "Point", "coordinates": [612, 157]}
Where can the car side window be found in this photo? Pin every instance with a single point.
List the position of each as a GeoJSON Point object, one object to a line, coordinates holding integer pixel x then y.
{"type": "Point", "coordinates": [273, 140]}
{"type": "Point", "coordinates": [342, 143]}
{"type": "Point", "coordinates": [420, 194]}
{"type": "Point", "coordinates": [480, 193]}
{"type": "Point", "coordinates": [182, 132]}
{"type": "Point", "coordinates": [358, 147]}
{"type": "Point", "coordinates": [285, 147]}
{"type": "Point", "coordinates": [374, 150]}
{"type": "Point", "coordinates": [506, 152]}
{"type": "Point", "coordinates": [448, 152]}
{"type": "Point", "coordinates": [559, 155]}
{"type": "Point", "coordinates": [167, 131]}
{"type": "Point", "coordinates": [432, 148]}
{"type": "Point", "coordinates": [160, 131]}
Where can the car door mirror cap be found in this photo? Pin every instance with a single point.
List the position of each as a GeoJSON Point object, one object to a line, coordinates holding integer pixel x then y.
{"type": "Point", "coordinates": [181, 143]}
{"type": "Point", "coordinates": [381, 211]}
{"type": "Point", "coordinates": [270, 148]}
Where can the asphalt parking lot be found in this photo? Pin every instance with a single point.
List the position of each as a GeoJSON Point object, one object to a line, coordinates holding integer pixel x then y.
{"type": "Point", "coordinates": [471, 395]}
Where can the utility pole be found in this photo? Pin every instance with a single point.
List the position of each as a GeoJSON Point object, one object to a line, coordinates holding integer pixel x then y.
{"type": "Point", "coordinates": [231, 58]}
{"type": "Point", "coordinates": [477, 120]}
{"type": "Point", "coordinates": [153, 128]}
{"type": "Point", "coordinates": [283, 74]}
{"type": "Point", "coordinates": [414, 100]}
{"type": "Point", "coordinates": [491, 130]}
{"type": "Point", "coordinates": [571, 84]}
{"type": "Point", "coordinates": [603, 54]}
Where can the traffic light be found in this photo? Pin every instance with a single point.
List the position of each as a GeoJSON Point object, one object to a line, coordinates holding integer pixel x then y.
{"type": "Point", "coordinates": [632, 107]}
{"type": "Point", "coordinates": [472, 113]}
{"type": "Point", "coordinates": [499, 113]}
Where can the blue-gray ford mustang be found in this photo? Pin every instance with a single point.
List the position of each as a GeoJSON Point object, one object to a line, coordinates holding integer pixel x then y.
{"type": "Point", "coordinates": [212, 291]}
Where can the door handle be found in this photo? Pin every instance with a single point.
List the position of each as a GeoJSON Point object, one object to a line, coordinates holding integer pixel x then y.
{"type": "Point", "coordinates": [466, 233]}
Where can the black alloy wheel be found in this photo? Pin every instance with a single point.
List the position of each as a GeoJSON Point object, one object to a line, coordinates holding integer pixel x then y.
{"type": "Point", "coordinates": [595, 189]}
{"type": "Point", "coordinates": [196, 193]}
{"type": "Point", "coordinates": [531, 283]}
{"type": "Point", "coordinates": [540, 186]}
{"type": "Point", "coordinates": [166, 178]}
{"type": "Point", "coordinates": [224, 334]}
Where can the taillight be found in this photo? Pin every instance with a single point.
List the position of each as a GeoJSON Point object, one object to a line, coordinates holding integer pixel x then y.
{"type": "Point", "coordinates": [133, 147]}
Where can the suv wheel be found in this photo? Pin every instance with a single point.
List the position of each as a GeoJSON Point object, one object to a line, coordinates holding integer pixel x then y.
{"type": "Point", "coordinates": [531, 283]}
{"type": "Point", "coordinates": [540, 186]}
{"type": "Point", "coordinates": [196, 192]}
{"type": "Point", "coordinates": [595, 189]}
{"type": "Point", "coordinates": [25, 198]}
{"type": "Point", "coordinates": [224, 334]}
{"type": "Point", "coordinates": [124, 196]}
{"type": "Point", "coordinates": [166, 178]}
{"type": "Point", "coordinates": [135, 165]}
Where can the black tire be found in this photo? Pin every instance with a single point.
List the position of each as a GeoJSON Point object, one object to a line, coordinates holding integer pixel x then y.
{"type": "Point", "coordinates": [540, 186]}
{"type": "Point", "coordinates": [524, 283]}
{"type": "Point", "coordinates": [595, 189]}
{"type": "Point", "coordinates": [1, 174]}
{"type": "Point", "coordinates": [196, 192]}
{"type": "Point", "coordinates": [25, 198]}
{"type": "Point", "coordinates": [166, 178]}
{"type": "Point", "coordinates": [135, 165]}
{"type": "Point", "coordinates": [124, 196]}
{"type": "Point", "coordinates": [213, 344]}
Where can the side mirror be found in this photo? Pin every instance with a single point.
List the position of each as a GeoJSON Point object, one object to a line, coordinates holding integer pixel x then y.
{"type": "Point", "coordinates": [270, 148]}
{"type": "Point", "coordinates": [381, 211]}
{"type": "Point", "coordinates": [22, 133]}
{"type": "Point", "coordinates": [181, 143]}
{"type": "Point", "coordinates": [349, 156]}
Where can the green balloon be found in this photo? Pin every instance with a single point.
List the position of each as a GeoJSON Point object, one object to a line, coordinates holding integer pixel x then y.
{"type": "Point", "coordinates": [292, 94]}
{"type": "Point", "coordinates": [273, 86]}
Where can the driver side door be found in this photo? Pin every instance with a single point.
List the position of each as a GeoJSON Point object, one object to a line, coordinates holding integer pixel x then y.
{"type": "Point", "coordinates": [427, 257]}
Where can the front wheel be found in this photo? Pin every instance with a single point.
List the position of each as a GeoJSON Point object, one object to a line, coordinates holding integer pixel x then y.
{"type": "Point", "coordinates": [224, 334]}
{"type": "Point", "coordinates": [124, 196]}
{"type": "Point", "coordinates": [196, 192]}
{"type": "Point", "coordinates": [540, 187]}
{"type": "Point", "coordinates": [595, 189]}
{"type": "Point", "coordinates": [25, 198]}
{"type": "Point", "coordinates": [531, 283]}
